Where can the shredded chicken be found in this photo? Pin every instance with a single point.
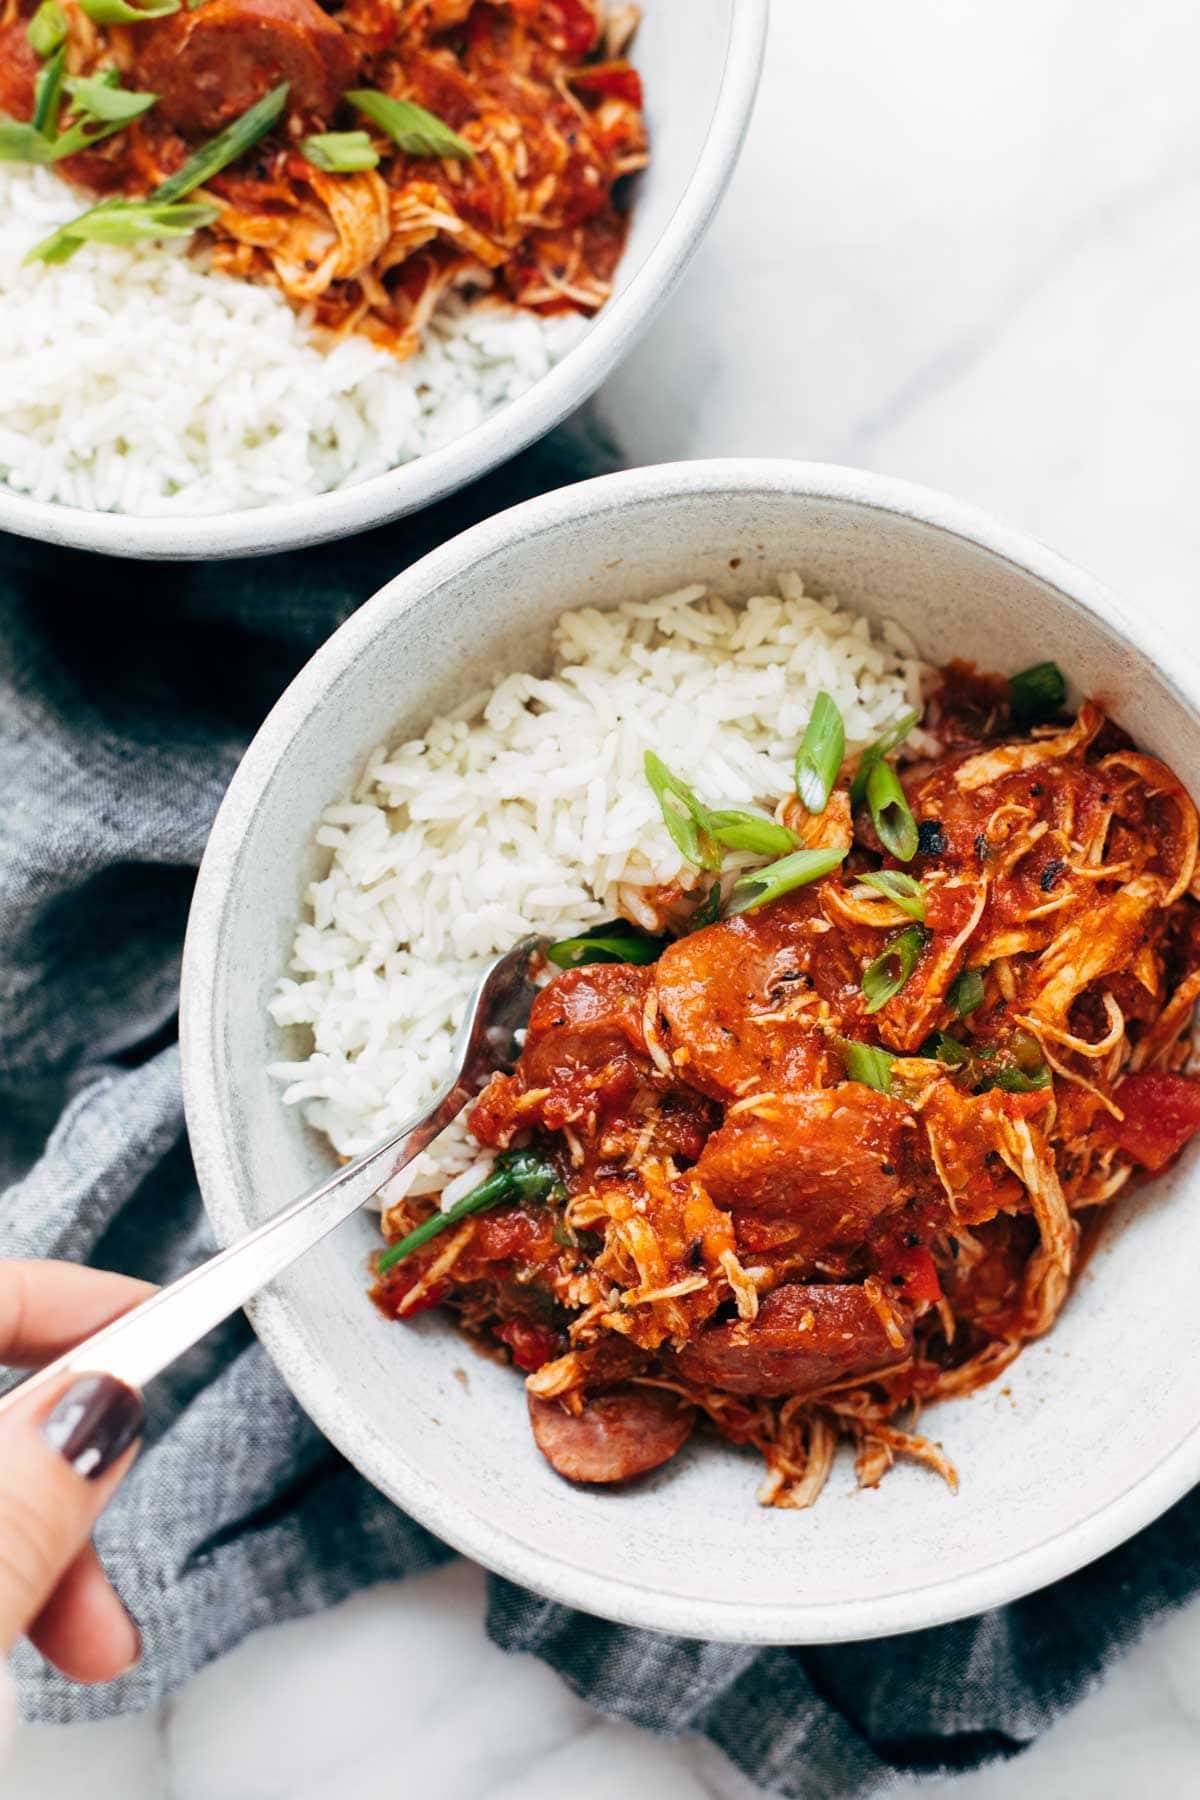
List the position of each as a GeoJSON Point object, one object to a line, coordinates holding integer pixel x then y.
{"type": "Point", "coordinates": [756, 1237]}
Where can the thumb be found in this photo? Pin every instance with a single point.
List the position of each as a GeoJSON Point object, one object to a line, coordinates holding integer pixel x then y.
{"type": "Point", "coordinates": [61, 1457]}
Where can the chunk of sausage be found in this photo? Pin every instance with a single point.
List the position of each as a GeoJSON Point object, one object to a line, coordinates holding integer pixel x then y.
{"type": "Point", "coordinates": [802, 1339]}
{"type": "Point", "coordinates": [18, 71]}
{"type": "Point", "coordinates": [621, 1433]}
{"type": "Point", "coordinates": [586, 1019]}
{"type": "Point", "coordinates": [828, 1163]}
{"type": "Point", "coordinates": [732, 997]}
{"type": "Point", "coordinates": [209, 65]}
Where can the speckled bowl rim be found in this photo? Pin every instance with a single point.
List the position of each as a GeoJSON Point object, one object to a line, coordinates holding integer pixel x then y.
{"type": "Point", "coordinates": [316, 1384]}
{"type": "Point", "coordinates": [315, 518]}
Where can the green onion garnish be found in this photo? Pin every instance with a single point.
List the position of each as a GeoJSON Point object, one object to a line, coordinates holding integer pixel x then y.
{"type": "Point", "coordinates": [47, 29]}
{"type": "Point", "coordinates": [340, 152]}
{"type": "Point", "coordinates": [946, 1049]}
{"type": "Point", "coordinates": [750, 831]}
{"type": "Point", "coordinates": [618, 941]}
{"type": "Point", "coordinates": [1037, 693]}
{"type": "Point", "coordinates": [46, 91]}
{"type": "Point", "coordinates": [965, 992]}
{"type": "Point", "coordinates": [708, 911]}
{"type": "Point", "coordinates": [890, 812]}
{"type": "Point", "coordinates": [226, 147]}
{"type": "Point", "coordinates": [891, 969]}
{"type": "Point", "coordinates": [758, 887]}
{"type": "Point", "coordinates": [819, 758]}
{"type": "Point", "coordinates": [98, 97]}
{"type": "Point", "coordinates": [119, 12]}
{"type": "Point", "coordinates": [133, 221]}
{"type": "Point", "coordinates": [895, 734]}
{"type": "Point", "coordinates": [1020, 1081]}
{"type": "Point", "coordinates": [417, 132]}
{"type": "Point", "coordinates": [902, 890]}
{"type": "Point", "coordinates": [683, 815]}
{"type": "Point", "coordinates": [867, 1063]}
{"type": "Point", "coordinates": [517, 1175]}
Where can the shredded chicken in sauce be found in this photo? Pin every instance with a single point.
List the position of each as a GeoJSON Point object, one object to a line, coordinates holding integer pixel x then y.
{"type": "Point", "coordinates": [538, 91]}
{"type": "Point", "coordinates": [745, 1233]}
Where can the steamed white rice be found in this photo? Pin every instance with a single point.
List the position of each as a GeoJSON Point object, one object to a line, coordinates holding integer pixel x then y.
{"type": "Point", "coordinates": [134, 380]}
{"type": "Point", "coordinates": [528, 811]}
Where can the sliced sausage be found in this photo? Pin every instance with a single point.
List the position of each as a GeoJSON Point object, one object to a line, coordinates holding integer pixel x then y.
{"type": "Point", "coordinates": [209, 65]}
{"type": "Point", "coordinates": [826, 1163]}
{"type": "Point", "coordinates": [728, 996]}
{"type": "Point", "coordinates": [802, 1339]}
{"type": "Point", "coordinates": [586, 1019]}
{"type": "Point", "coordinates": [619, 1434]}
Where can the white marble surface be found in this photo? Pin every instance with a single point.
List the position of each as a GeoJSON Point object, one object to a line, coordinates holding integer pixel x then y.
{"type": "Point", "coordinates": [963, 247]}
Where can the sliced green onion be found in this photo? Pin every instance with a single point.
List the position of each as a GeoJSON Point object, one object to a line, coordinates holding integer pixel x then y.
{"type": "Point", "coordinates": [867, 1063]}
{"type": "Point", "coordinates": [417, 132]}
{"type": "Point", "coordinates": [965, 992]}
{"type": "Point", "coordinates": [946, 1049]}
{"type": "Point", "coordinates": [340, 152]}
{"type": "Point", "coordinates": [618, 941]}
{"type": "Point", "coordinates": [102, 99]}
{"type": "Point", "coordinates": [890, 812]}
{"type": "Point", "coordinates": [47, 90]}
{"type": "Point", "coordinates": [895, 734]}
{"type": "Point", "coordinates": [1037, 693]}
{"type": "Point", "coordinates": [518, 1175]}
{"type": "Point", "coordinates": [226, 147]}
{"type": "Point", "coordinates": [884, 978]}
{"type": "Point", "coordinates": [1020, 1081]}
{"type": "Point", "coordinates": [158, 216]}
{"type": "Point", "coordinates": [750, 831]}
{"type": "Point", "coordinates": [758, 887]}
{"type": "Point", "coordinates": [902, 890]}
{"type": "Point", "coordinates": [819, 758]}
{"type": "Point", "coordinates": [47, 29]}
{"type": "Point", "coordinates": [119, 12]}
{"type": "Point", "coordinates": [23, 143]}
{"type": "Point", "coordinates": [124, 222]}
{"type": "Point", "coordinates": [708, 911]}
{"type": "Point", "coordinates": [683, 815]}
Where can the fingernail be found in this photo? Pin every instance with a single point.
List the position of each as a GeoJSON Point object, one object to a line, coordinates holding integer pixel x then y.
{"type": "Point", "coordinates": [97, 1418]}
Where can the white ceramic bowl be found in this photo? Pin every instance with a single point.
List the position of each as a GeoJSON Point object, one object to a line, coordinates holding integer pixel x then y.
{"type": "Point", "coordinates": [700, 60]}
{"type": "Point", "coordinates": [1091, 1434]}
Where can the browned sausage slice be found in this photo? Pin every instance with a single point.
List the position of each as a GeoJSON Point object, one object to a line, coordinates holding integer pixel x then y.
{"type": "Point", "coordinates": [802, 1339]}
{"type": "Point", "coordinates": [585, 1019]}
{"type": "Point", "coordinates": [825, 1164]}
{"type": "Point", "coordinates": [209, 65]}
{"type": "Point", "coordinates": [619, 1434]}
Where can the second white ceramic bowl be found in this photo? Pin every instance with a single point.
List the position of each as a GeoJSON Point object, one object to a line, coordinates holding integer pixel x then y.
{"type": "Point", "coordinates": [700, 62]}
{"type": "Point", "coordinates": [1089, 1435]}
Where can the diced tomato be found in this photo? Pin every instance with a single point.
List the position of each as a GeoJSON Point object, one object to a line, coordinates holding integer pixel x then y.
{"type": "Point", "coordinates": [571, 25]}
{"type": "Point", "coordinates": [531, 1345]}
{"type": "Point", "coordinates": [399, 1282]}
{"type": "Point", "coordinates": [509, 1235]}
{"type": "Point", "coordinates": [614, 80]}
{"type": "Point", "coordinates": [1162, 1112]}
{"type": "Point", "coordinates": [913, 1277]}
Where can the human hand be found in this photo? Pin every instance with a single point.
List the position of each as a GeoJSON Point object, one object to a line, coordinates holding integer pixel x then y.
{"type": "Point", "coordinates": [62, 1456]}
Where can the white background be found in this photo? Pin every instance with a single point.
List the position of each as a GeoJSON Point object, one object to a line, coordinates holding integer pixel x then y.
{"type": "Point", "coordinates": [963, 247]}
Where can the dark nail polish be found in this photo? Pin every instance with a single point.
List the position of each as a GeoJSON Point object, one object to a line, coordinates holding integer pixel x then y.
{"type": "Point", "coordinates": [97, 1418]}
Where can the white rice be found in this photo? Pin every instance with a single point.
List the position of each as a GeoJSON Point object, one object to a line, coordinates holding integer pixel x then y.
{"type": "Point", "coordinates": [135, 380]}
{"type": "Point", "coordinates": [528, 811]}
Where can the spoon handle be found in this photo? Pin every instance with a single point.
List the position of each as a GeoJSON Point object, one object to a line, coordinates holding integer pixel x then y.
{"type": "Point", "coordinates": [142, 1342]}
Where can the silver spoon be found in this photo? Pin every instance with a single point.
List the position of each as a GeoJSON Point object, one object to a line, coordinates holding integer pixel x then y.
{"type": "Point", "coordinates": [143, 1342]}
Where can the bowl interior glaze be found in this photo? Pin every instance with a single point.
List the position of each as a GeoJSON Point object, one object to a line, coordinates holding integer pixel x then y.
{"type": "Point", "coordinates": [1079, 1444]}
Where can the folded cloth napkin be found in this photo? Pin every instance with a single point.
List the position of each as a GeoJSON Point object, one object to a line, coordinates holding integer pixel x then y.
{"type": "Point", "coordinates": [127, 693]}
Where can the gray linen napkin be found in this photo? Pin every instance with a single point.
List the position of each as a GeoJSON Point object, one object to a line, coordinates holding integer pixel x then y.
{"type": "Point", "coordinates": [127, 693]}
